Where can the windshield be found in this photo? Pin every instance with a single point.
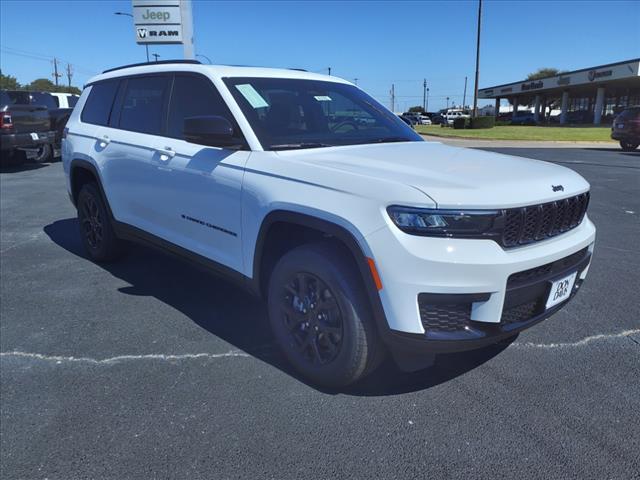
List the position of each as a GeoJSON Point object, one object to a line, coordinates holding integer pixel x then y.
{"type": "Point", "coordinates": [294, 113]}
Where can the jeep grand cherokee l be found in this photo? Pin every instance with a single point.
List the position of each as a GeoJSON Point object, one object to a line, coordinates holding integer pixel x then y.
{"type": "Point", "coordinates": [362, 237]}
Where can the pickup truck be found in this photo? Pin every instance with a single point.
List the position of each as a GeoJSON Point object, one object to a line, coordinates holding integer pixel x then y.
{"type": "Point", "coordinates": [24, 127]}
{"type": "Point", "coordinates": [31, 126]}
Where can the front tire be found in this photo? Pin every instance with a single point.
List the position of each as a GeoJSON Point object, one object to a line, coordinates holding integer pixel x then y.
{"type": "Point", "coordinates": [98, 236]}
{"type": "Point", "coordinates": [628, 146]}
{"type": "Point", "coordinates": [320, 315]}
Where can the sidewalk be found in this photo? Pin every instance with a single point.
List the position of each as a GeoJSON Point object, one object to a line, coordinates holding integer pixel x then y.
{"type": "Point", "coordinates": [474, 143]}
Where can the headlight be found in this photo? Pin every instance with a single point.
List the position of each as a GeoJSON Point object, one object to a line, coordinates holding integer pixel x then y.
{"type": "Point", "coordinates": [445, 223]}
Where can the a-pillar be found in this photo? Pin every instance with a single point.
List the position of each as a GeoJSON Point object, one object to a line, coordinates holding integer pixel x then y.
{"type": "Point", "coordinates": [536, 110]}
{"type": "Point", "coordinates": [564, 107]}
{"type": "Point", "coordinates": [597, 111]}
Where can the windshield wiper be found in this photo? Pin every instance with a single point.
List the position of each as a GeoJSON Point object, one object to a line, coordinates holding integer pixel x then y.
{"type": "Point", "coordinates": [390, 140]}
{"type": "Point", "coordinates": [293, 146]}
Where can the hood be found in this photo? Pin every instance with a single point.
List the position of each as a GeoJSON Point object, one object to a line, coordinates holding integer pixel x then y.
{"type": "Point", "coordinates": [453, 177]}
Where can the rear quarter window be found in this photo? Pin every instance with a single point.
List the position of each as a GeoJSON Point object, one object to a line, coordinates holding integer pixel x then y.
{"type": "Point", "coordinates": [97, 108]}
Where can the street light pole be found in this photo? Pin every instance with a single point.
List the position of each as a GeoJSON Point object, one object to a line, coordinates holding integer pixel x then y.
{"type": "Point", "coordinates": [146, 46]}
{"type": "Point", "coordinates": [426, 108]}
{"type": "Point", "coordinates": [424, 95]}
{"type": "Point", "coordinates": [475, 88]}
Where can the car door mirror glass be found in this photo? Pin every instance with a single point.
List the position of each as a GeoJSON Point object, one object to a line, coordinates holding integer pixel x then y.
{"type": "Point", "coordinates": [211, 130]}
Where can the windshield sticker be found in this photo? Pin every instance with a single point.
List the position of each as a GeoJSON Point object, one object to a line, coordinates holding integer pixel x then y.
{"type": "Point", "coordinates": [322, 98]}
{"type": "Point", "coordinates": [252, 96]}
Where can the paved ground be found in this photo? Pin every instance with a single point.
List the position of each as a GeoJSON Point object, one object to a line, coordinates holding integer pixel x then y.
{"type": "Point", "coordinates": [152, 369]}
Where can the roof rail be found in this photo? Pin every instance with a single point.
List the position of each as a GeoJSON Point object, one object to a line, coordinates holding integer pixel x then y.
{"type": "Point", "coordinates": [162, 62]}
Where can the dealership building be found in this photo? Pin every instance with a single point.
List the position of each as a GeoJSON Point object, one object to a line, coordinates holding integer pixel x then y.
{"type": "Point", "coordinates": [601, 91]}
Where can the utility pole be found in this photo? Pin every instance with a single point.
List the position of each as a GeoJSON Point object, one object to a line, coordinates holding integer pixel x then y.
{"type": "Point", "coordinates": [69, 73]}
{"type": "Point", "coordinates": [329, 68]}
{"type": "Point", "coordinates": [464, 97]}
{"type": "Point", "coordinates": [475, 88]}
{"type": "Point", "coordinates": [155, 56]}
{"type": "Point", "coordinates": [424, 95]}
{"type": "Point", "coordinates": [447, 103]}
{"type": "Point", "coordinates": [426, 107]}
{"type": "Point", "coordinates": [393, 97]}
{"type": "Point", "coordinates": [355, 80]}
{"type": "Point", "coordinates": [56, 75]}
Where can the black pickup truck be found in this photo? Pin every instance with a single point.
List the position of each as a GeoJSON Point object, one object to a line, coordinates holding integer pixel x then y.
{"type": "Point", "coordinates": [31, 126]}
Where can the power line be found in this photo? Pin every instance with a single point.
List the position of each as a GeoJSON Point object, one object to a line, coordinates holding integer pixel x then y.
{"type": "Point", "coordinates": [44, 57]}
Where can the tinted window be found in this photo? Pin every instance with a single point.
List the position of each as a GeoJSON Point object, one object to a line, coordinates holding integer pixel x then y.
{"type": "Point", "coordinates": [143, 105]}
{"type": "Point", "coordinates": [294, 113]}
{"type": "Point", "coordinates": [72, 100]}
{"type": "Point", "coordinates": [41, 98]}
{"type": "Point", "coordinates": [630, 113]}
{"type": "Point", "coordinates": [98, 106]}
{"type": "Point", "coordinates": [57, 100]}
{"type": "Point", "coordinates": [192, 96]}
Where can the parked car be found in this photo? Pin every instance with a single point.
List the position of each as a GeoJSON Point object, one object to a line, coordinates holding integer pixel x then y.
{"type": "Point", "coordinates": [424, 120]}
{"type": "Point", "coordinates": [409, 120]}
{"type": "Point", "coordinates": [437, 119]}
{"type": "Point", "coordinates": [58, 117]}
{"type": "Point", "coordinates": [452, 114]}
{"type": "Point", "coordinates": [523, 117]}
{"type": "Point", "coordinates": [65, 100]}
{"type": "Point", "coordinates": [579, 116]}
{"type": "Point", "coordinates": [364, 240]}
{"type": "Point", "coordinates": [626, 129]}
{"type": "Point", "coordinates": [25, 127]}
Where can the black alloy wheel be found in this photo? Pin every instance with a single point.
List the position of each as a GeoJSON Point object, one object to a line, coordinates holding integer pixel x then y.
{"type": "Point", "coordinates": [312, 317]}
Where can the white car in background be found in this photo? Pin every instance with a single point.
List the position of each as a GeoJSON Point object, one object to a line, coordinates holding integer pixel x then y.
{"type": "Point", "coordinates": [452, 114]}
{"type": "Point", "coordinates": [424, 120]}
{"type": "Point", "coordinates": [65, 100]}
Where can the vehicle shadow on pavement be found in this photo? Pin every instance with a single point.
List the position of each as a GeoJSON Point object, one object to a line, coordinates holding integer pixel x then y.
{"type": "Point", "coordinates": [240, 319]}
{"type": "Point", "coordinates": [14, 168]}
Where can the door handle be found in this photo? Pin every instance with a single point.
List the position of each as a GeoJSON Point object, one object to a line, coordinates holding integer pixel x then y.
{"type": "Point", "coordinates": [104, 141]}
{"type": "Point", "coordinates": [166, 154]}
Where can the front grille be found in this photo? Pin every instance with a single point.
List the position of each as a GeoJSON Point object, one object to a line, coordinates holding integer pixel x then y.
{"type": "Point", "coordinates": [538, 222]}
{"type": "Point", "coordinates": [542, 271]}
{"type": "Point", "coordinates": [522, 312]}
{"type": "Point", "coordinates": [444, 317]}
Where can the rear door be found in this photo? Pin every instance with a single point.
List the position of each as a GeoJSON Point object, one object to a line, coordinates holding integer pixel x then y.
{"type": "Point", "coordinates": [129, 147]}
{"type": "Point", "coordinates": [198, 188]}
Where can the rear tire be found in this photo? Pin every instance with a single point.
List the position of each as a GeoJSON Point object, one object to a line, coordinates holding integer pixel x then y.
{"type": "Point", "coordinates": [44, 155]}
{"type": "Point", "coordinates": [320, 315]}
{"type": "Point", "coordinates": [96, 231]}
{"type": "Point", "coordinates": [628, 146]}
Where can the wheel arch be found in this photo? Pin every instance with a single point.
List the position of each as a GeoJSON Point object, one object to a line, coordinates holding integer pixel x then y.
{"type": "Point", "coordinates": [296, 224]}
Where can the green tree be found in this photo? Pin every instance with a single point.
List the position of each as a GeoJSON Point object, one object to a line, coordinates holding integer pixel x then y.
{"type": "Point", "coordinates": [8, 82]}
{"type": "Point", "coordinates": [41, 85]}
{"type": "Point", "coordinates": [70, 89]}
{"type": "Point", "coordinates": [417, 109]}
{"type": "Point", "coordinates": [543, 73]}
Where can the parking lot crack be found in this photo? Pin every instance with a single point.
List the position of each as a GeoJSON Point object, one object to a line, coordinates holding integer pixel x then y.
{"type": "Point", "coordinates": [580, 343]}
{"type": "Point", "coordinates": [121, 358]}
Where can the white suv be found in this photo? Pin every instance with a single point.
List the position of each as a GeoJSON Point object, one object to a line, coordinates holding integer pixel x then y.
{"type": "Point", "coordinates": [363, 238]}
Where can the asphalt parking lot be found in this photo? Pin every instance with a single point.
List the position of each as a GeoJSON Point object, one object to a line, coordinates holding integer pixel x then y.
{"type": "Point", "coordinates": [150, 368]}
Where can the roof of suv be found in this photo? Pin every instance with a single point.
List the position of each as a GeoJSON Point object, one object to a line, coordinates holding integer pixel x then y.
{"type": "Point", "coordinates": [220, 71]}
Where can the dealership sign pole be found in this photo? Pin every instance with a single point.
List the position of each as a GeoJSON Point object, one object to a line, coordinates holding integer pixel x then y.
{"type": "Point", "coordinates": [164, 22]}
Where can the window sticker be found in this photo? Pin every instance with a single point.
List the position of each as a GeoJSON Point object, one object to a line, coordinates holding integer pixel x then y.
{"type": "Point", "coordinates": [252, 96]}
{"type": "Point", "coordinates": [322, 98]}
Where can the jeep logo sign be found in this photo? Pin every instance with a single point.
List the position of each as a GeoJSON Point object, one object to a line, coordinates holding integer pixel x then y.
{"type": "Point", "coordinates": [157, 21]}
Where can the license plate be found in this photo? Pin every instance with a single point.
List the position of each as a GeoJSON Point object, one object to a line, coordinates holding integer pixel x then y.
{"type": "Point", "coordinates": [34, 136]}
{"type": "Point", "coordinates": [620, 126]}
{"type": "Point", "coordinates": [561, 290]}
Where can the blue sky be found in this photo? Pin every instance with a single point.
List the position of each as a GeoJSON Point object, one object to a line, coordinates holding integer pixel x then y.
{"type": "Point", "coordinates": [379, 43]}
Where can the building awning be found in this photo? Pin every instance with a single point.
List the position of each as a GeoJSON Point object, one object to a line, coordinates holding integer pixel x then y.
{"type": "Point", "coordinates": [621, 74]}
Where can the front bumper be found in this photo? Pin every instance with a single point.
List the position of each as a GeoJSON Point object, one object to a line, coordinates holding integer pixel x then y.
{"type": "Point", "coordinates": [10, 141]}
{"type": "Point", "coordinates": [478, 274]}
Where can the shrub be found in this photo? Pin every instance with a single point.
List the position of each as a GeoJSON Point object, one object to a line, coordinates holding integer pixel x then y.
{"type": "Point", "coordinates": [460, 123]}
{"type": "Point", "coordinates": [483, 122]}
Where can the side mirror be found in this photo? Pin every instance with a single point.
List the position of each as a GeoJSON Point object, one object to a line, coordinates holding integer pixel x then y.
{"type": "Point", "coordinates": [209, 130]}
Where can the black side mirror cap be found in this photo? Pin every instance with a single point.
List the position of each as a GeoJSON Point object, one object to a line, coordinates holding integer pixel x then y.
{"type": "Point", "coordinates": [211, 130]}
